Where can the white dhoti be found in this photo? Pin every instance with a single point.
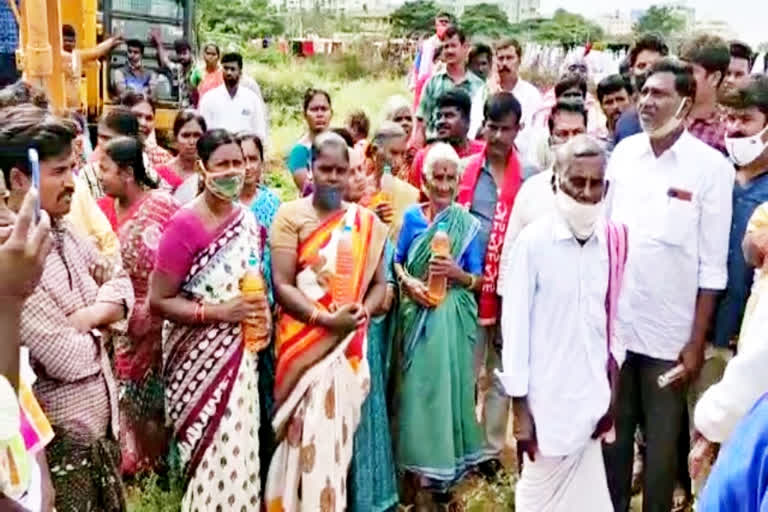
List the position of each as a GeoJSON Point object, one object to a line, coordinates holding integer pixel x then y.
{"type": "Point", "coordinates": [574, 483]}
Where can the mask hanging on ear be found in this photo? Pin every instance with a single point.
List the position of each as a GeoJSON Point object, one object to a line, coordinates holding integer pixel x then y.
{"type": "Point", "coordinates": [745, 150]}
{"type": "Point", "coordinates": [672, 124]}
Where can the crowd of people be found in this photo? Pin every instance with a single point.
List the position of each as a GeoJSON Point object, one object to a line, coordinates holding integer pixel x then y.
{"type": "Point", "coordinates": [589, 266]}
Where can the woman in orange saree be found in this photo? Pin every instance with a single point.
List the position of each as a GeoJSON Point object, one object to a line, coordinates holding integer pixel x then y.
{"type": "Point", "coordinates": [322, 371]}
{"type": "Point", "coordinates": [211, 76]}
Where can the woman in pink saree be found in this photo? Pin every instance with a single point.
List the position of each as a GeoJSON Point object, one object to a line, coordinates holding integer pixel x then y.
{"type": "Point", "coordinates": [138, 213]}
{"type": "Point", "coordinates": [211, 377]}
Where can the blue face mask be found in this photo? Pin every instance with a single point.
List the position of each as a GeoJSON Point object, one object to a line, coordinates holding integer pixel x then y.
{"type": "Point", "coordinates": [327, 197]}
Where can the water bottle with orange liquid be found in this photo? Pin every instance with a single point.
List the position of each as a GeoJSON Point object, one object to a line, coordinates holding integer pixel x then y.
{"type": "Point", "coordinates": [387, 190]}
{"type": "Point", "coordinates": [441, 246]}
{"type": "Point", "coordinates": [342, 290]}
{"type": "Point", "coordinates": [255, 332]}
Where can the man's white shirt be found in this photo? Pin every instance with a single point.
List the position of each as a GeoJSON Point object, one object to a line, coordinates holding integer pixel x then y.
{"type": "Point", "coordinates": [245, 112]}
{"type": "Point", "coordinates": [530, 100]}
{"type": "Point", "coordinates": [554, 332]}
{"type": "Point", "coordinates": [677, 208]}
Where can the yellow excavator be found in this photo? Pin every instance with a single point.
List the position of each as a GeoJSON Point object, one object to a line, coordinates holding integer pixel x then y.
{"type": "Point", "coordinates": [40, 26]}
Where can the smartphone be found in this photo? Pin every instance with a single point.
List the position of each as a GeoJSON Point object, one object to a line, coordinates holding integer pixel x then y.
{"type": "Point", "coordinates": [34, 166]}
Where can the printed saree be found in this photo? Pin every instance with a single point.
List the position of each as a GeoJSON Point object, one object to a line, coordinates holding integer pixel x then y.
{"type": "Point", "coordinates": [372, 483]}
{"type": "Point", "coordinates": [138, 354]}
{"type": "Point", "coordinates": [211, 381]}
{"type": "Point", "coordinates": [318, 419]}
{"type": "Point", "coordinates": [438, 437]}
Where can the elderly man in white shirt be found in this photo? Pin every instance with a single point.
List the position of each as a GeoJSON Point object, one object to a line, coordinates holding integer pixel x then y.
{"type": "Point", "coordinates": [232, 107]}
{"type": "Point", "coordinates": [556, 351]}
{"type": "Point", "coordinates": [536, 198]}
{"type": "Point", "coordinates": [673, 192]}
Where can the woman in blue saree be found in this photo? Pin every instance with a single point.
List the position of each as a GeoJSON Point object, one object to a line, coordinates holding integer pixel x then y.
{"type": "Point", "coordinates": [439, 439]}
{"type": "Point", "coordinates": [372, 486]}
{"type": "Point", "coordinates": [264, 204]}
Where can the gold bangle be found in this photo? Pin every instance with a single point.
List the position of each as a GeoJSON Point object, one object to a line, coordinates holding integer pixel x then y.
{"type": "Point", "coordinates": [472, 282]}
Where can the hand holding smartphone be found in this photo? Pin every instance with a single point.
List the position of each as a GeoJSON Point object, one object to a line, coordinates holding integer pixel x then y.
{"type": "Point", "coordinates": [34, 165]}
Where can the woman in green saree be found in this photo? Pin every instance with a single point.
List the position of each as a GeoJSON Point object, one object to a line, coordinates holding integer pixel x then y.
{"type": "Point", "coordinates": [438, 437]}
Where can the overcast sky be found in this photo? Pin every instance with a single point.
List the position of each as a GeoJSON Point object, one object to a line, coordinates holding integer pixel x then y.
{"type": "Point", "coordinates": [749, 18]}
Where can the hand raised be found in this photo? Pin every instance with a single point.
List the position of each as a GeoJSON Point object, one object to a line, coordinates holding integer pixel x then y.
{"type": "Point", "coordinates": [25, 246]}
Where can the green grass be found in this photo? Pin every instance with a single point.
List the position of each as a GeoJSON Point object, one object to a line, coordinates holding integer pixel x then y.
{"type": "Point", "coordinates": [352, 84]}
{"type": "Point", "coordinates": [479, 495]}
{"type": "Point", "coordinates": [149, 495]}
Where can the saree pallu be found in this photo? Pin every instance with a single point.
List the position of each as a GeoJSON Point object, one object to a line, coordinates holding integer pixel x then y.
{"type": "Point", "coordinates": [210, 81]}
{"type": "Point", "coordinates": [317, 421]}
{"type": "Point", "coordinates": [438, 437]}
{"type": "Point", "coordinates": [211, 382]}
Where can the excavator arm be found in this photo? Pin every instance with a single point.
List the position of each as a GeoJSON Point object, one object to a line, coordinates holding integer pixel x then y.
{"type": "Point", "coordinates": [39, 54]}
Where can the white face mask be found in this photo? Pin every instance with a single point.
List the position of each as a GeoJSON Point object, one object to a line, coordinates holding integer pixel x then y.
{"type": "Point", "coordinates": [745, 150]}
{"type": "Point", "coordinates": [672, 124]}
{"type": "Point", "coordinates": [580, 217]}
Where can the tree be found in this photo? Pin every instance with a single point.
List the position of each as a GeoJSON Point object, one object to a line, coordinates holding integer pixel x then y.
{"type": "Point", "coordinates": [662, 20]}
{"type": "Point", "coordinates": [237, 20]}
{"type": "Point", "coordinates": [414, 16]}
{"type": "Point", "coordinates": [485, 19]}
{"type": "Point", "coordinates": [563, 28]}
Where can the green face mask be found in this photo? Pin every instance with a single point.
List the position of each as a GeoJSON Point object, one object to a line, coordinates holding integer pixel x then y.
{"type": "Point", "coordinates": [226, 187]}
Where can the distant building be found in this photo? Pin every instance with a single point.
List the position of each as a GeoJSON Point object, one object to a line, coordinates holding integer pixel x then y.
{"type": "Point", "coordinates": [617, 23]}
{"type": "Point", "coordinates": [516, 10]}
{"type": "Point", "coordinates": [352, 7]}
{"type": "Point", "coordinates": [636, 14]}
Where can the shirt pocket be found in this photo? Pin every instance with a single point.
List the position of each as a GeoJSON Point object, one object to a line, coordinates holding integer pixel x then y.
{"type": "Point", "coordinates": [677, 221]}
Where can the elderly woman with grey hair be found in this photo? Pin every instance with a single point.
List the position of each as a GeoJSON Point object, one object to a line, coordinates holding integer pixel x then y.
{"type": "Point", "coordinates": [439, 439]}
{"type": "Point", "coordinates": [387, 194]}
{"type": "Point", "coordinates": [399, 110]}
{"type": "Point", "coordinates": [560, 362]}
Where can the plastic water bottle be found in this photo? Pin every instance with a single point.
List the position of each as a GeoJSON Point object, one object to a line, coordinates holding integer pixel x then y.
{"type": "Point", "coordinates": [388, 186]}
{"type": "Point", "coordinates": [345, 264]}
{"type": "Point", "coordinates": [387, 192]}
{"type": "Point", "coordinates": [441, 246]}
{"type": "Point", "coordinates": [255, 332]}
